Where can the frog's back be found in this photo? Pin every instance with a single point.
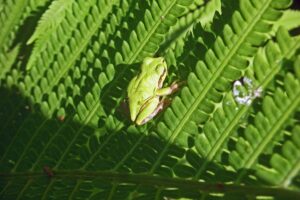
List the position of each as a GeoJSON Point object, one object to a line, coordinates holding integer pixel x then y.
{"type": "Point", "coordinates": [147, 82]}
{"type": "Point", "coordinates": [141, 89]}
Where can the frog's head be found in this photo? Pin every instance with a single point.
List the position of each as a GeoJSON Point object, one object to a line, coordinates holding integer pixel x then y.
{"type": "Point", "coordinates": [157, 67]}
{"type": "Point", "coordinates": [150, 61]}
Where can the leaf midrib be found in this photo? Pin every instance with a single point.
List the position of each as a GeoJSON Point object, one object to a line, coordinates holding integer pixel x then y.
{"type": "Point", "coordinates": [162, 182]}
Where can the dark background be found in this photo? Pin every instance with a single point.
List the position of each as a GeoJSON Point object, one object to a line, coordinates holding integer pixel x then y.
{"type": "Point", "coordinates": [296, 5]}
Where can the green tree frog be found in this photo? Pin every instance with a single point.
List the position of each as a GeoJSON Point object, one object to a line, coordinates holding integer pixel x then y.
{"type": "Point", "coordinates": [145, 92]}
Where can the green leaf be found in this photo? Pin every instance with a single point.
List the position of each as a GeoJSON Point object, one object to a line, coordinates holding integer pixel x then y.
{"type": "Point", "coordinates": [64, 71]}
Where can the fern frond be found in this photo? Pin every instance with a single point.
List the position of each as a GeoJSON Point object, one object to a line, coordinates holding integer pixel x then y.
{"type": "Point", "coordinates": [92, 96]}
{"type": "Point", "coordinates": [221, 126]}
{"type": "Point", "coordinates": [284, 165]}
{"type": "Point", "coordinates": [10, 13]}
{"type": "Point", "coordinates": [50, 20]}
{"type": "Point", "coordinates": [202, 13]}
{"type": "Point", "coordinates": [296, 66]}
{"type": "Point", "coordinates": [289, 20]}
{"type": "Point", "coordinates": [7, 60]}
{"type": "Point", "coordinates": [168, 10]}
{"type": "Point", "coordinates": [60, 51]}
{"type": "Point", "coordinates": [61, 132]}
{"type": "Point", "coordinates": [143, 41]}
{"type": "Point", "coordinates": [140, 31]}
{"type": "Point", "coordinates": [209, 11]}
{"type": "Point", "coordinates": [230, 51]}
{"type": "Point", "coordinates": [47, 25]}
{"type": "Point", "coordinates": [84, 113]}
{"type": "Point", "coordinates": [158, 20]}
{"type": "Point", "coordinates": [13, 15]}
{"type": "Point", "coordinates": [276, 110]}
{"type": "Point", "coordinates": [40, 86]}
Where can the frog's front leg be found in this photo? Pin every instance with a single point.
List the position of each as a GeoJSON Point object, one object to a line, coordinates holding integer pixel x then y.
{"type": "Point", "coordinates": [150, 109]}
{"type": "Point", "coordinates": [169, 90]}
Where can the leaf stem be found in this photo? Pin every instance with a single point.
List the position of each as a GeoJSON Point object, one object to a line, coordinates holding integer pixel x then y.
{"type": "Point", "coordinates": [165, 182]}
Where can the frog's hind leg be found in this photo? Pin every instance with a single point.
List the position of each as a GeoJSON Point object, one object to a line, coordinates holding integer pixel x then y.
{"type": "Point", "coordinates": [159, 106]}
